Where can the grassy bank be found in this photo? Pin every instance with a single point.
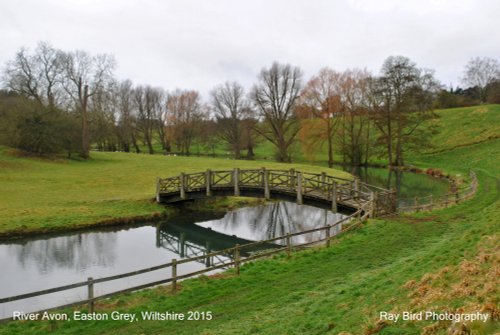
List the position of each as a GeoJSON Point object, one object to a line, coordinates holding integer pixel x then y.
{"type": "Point", "coordinates": [38, 195]}
{"type": "Point", "coordinates": [445, 260]}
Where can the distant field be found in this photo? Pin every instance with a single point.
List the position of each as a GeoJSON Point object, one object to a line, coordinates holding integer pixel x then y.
{"type": "Point", "coordinates": [37, 194]}
{"type": "Point", "coordinates": [468, 125]}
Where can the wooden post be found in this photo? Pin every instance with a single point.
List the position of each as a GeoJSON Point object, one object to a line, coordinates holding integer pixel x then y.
{"type": "Point", "coordinates": [328, 236]}
{"type": "Point", "coordinates": [236, 180]}
{"type": "Point", "coordinates": [456, 197]}
{"type": "Point", "coordinates": [182, 245]}
{"type": "Point", "coordinates": [288, 245]}
{"type": "Point", "coordinates": [158, 182]}
{"type": "Point", "coordinates": [90, 292]}
{"type": "Point", "coordinates": [374, 203]}
{"type": "Point", "coordinates": [292, 179]}
{"type": "Point", "coordinates": [183, 185]}
{"type": "Point", "coordinates": [323, 187]}
{"type": "Point", "coordinates": [207, 251]}
{"type": "Point", "coordinates": [174, 275]}
{"type": "Point", "coordinates": [267, 191]}
{"type": "Point", "coordinates": [299, 188]}
{"type": "Point", "coordinates": [356, 188]}
{"type": "Point", "coordinates": [416, 204]}
{"type": "Point", "coordinates": [208, 182]}
{"type": "Point", "coordinates": [334, 197]}
{"type": "Point", "coordinates": [237, 258]}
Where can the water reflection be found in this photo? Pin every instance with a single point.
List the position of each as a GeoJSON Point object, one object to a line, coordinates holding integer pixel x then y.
{"type": "Point", "coordinates": [78, 252]}
{"type": "Point", "coordinates": [273, 220]}
{"type": "Point", "coordinates": [42, 263]}
{"type": "Point", "coordinates": [406, 184]}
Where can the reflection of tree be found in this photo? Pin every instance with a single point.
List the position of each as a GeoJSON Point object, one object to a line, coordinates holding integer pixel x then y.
{"type": "Point", "coordinates": [73, 252]}
{"type": "Point", "coordinates": [276, 219]}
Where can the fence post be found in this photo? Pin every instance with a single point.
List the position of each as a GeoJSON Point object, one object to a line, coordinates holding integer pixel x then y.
{"type": "Point", "coordinates": [456, 197]}
{"type": "Point", "coordinates": [323, 179]}
{"type": "Point", "coordinates": [237, 258]}
{"type": "Point", "coordinates": [356, 188]}
{"type": "Point", "coordinates": [416, 204]}
{"type": "Point", "coordinates": [374, 203]}
{"type": "Point", "coordinates": [288, 245]}
{"type": "Point", "coordinates": [292, 178]}
{"type": "Point", "coordinates": [267, 191]}
{"type": "Point", "coordinates": [91, 294]}
{"type": "Point", "coordinates": [208, 182]}
{"type": "Point", "coordinates": [299, 188]}
{"type": "Point", "coordinates": [158, 181]}
{"type": "Point", "coordinates": [207, 251]}
{"type": "Point", "coordinates": [236, 178]}
{"type": "Point", "coordinates": [183, 185]}
{"type": "Point", "coordinates": [174, 275]}
{"type": "Point", "coordinates": [328, 236]}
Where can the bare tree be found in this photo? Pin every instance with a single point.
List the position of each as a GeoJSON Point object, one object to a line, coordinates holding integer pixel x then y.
{"type": "Point", "coordinates": [229, 105]}
{"type": "Point", "coordinates": [406, 95]}
{"type": "Point", "coordinates": [84, 76]}
{"type": "Point", "coordinates": [184, 111]}
{"type": "Point", "coordinates": [275, 96]}
{"type": "Point", "coordinates": [481, 72]}
{"type": "Point", "coordinates": [36, 76]}
{"type": "Point", "coordinates": [321, 99]}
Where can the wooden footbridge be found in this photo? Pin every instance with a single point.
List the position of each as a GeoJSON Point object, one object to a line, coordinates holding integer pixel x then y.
{"type": "Point", "coordinates": [320, 190]}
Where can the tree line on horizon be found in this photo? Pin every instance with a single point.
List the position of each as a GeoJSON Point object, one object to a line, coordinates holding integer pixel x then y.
{"type": "Point", "coordinates": [53, 101]}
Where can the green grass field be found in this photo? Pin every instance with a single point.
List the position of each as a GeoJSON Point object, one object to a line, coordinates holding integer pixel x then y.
{"type": "Point", "coordinates": [445, 260]}
{"type": "Point", "coordinates": [39, 195]}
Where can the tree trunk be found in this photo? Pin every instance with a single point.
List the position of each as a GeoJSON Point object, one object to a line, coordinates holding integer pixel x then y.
{"type": "Point", "coordinates": [85, 153]}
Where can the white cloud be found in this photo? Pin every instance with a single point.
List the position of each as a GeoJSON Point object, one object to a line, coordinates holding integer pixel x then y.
{"type": "Point", "coordinates": [199, 43]}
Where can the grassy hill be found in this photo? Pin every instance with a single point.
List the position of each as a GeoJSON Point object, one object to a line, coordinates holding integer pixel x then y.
{"type": "Point", "coordinates": [445, 260]}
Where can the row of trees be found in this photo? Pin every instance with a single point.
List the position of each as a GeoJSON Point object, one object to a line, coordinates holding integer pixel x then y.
{"type": "Point", "coordinates": [482, 79]}
{"type": "Point", "coordinates": [56, 100]}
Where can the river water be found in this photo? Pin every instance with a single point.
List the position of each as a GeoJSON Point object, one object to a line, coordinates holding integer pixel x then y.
{"type": "Point", "coordinates": [44, 262]}
{"type": "Point", "coordinates": [40, 263]}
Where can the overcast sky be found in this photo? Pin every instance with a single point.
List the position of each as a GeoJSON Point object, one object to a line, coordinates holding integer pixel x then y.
{"type": "Point", "coordinates": [198, 44]}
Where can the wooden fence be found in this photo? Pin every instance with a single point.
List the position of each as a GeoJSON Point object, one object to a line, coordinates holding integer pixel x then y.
{"type": "Point", "coordinates": [283, 244]}
{"type": "Point", "coordinates": [417, 204]}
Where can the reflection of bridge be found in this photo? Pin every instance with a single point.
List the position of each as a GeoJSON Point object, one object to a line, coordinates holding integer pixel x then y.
{"type": "Point", "coordinates": [190, 240]}
{"type": "Point", "coordinates": [320, 190]}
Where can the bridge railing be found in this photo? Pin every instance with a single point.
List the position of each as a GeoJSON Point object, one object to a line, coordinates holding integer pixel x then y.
{"type": "Point", "coordinates": [296, 183]}
{"type": "Point", "coordinates": [285, 244]}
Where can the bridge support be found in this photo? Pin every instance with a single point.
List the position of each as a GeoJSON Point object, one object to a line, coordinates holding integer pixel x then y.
{"type": "Point", "coordinates": [299, 188]}
{"type": "Point", "coordinates": [236, 181]}
{"type": "Point", "coordinates": [158, 181]}
{"type": "Point", "coordinates": [183, 186]}
{"type": "Point", "coordinates": [265, 177]}
{"type": "Point", "coordinates": [208, 182]}
{"type": "Point", "coordinates": [334, 197]}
